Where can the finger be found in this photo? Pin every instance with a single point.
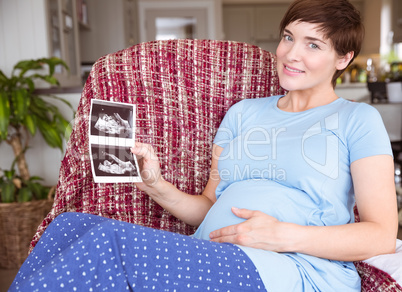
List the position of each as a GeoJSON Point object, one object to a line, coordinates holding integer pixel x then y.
{"type": "Point", "coordinates": [222, 232]}
{"type": "Point", "coordinates": [138, 148]}
{"type": "Point", "coordinates": [243, 213]}
{"type": "Point", "coordinates": [142, 150]}
{"type": "Point", "coordinates": [243, 240]}
{"type": "Point", "coordinates": [227, 235]}
{"type": "Point", "coordinates": [226, 239]}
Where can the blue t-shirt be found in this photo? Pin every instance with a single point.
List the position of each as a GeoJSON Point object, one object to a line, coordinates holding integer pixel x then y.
{"type": "Point", "coordinates": [294, 166]}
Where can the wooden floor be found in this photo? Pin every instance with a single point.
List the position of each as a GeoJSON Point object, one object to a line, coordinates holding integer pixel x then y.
{"type": "Point", "coordinates": [7, 276]}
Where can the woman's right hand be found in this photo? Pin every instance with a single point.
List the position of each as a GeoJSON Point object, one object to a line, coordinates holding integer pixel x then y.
{"type": "Point", "coordinates": [149, 166]}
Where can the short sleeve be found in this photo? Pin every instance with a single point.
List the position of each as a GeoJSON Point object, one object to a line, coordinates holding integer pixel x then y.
{"type": "Point", "coordinates": [228, 128]}
{"type": "Point", "coordinates": [366, 133]}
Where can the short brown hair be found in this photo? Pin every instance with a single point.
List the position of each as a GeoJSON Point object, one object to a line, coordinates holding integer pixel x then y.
{"type": "Point", "coordinates": [338, 20]}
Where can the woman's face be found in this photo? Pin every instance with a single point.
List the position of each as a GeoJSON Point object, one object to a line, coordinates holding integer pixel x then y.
{"type": "Point", "coordinates": [306, 60]}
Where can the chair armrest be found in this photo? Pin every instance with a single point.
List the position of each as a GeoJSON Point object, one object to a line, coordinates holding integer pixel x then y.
{"type": "Point", "coordinates": [385, 265]}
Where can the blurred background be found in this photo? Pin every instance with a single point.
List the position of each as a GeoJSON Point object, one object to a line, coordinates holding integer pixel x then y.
{"type": "Point", "coordinates": [81, 31]}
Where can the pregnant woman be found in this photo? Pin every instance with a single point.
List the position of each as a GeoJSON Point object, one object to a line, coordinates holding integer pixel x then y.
{"type": "Point", "coordinates": [276, 213]}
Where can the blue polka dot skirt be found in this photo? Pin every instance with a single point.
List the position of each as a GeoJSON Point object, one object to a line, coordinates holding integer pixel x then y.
{"type": "Point", "coordinates": [82, 252]}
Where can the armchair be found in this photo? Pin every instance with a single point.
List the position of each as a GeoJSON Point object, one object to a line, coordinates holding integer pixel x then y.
{"type": "Point", "coordinates": [182, 89]}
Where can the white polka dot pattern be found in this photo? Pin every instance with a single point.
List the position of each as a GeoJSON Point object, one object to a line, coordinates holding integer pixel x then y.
{"type": "Point", "coordinates": [82, 252]}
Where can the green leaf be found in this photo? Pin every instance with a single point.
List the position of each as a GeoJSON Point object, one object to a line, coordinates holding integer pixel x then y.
{"type": "Point", "coordinates": [48, 78]}
{"type": "Point", "coordinates": [42, 109]}
{"type": "Point", "coordinates": [4, 115]}
{"type": "Point", "coordinates": [20, 104]}
{"type": "Point", "coordinates": [3, 80]}
{"type": "Point", "coordinates": [30, 84]}
{"type": "Point", "coordinates": [53, 62]}
{"type": "Point", "coordinates": [30, 124]}
{"type": "Point", "coordinates": [35, 177]}
{"type": "Point", "coordinates": [50, 134]}
{"type": "Point", "coordinates": [44, 193]}
{"type": "Point", "coordinates": [24, 194]}
{"type": "Point", "coordinates": [7, 192]}
{"type": "Point", "coordinates": [36, 188]}
{"type": "Point", "coordinates": [63, 126]}
{"type": "Point", "coordinates": [67, 129]}
{"type": "Point", "coordinates": [9, 174]}
{"type": "Point", "coordinates": [64, 101]}
{"type": "Point", "coordinates": [27, 65]}
{"type": "Point", "coordinates": [51, 80]}
{"type": "Point", "coordinates": [39, 191]}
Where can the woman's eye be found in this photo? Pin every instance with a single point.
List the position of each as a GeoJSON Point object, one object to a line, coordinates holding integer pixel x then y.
{"type": "Point", "coordinates": [288, 38]}
{"type": "Point", "coordinates": [314, 46]}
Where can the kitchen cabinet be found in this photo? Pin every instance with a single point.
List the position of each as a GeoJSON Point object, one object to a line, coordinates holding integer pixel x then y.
{"type": "Point", "coordinates": [112, 27]}
{"type": "Point", "coordinates": [64, 39]}
{"type": "Point", "coordinates": [238, 23]}
{"type": "Point", "coordinates": [256, 24]}
{"type": "Point", "coordinates": [397, 20]}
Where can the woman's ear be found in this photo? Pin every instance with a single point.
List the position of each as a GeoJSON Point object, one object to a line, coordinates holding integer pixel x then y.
{"type": "Point", "coordinates": [344, 61]}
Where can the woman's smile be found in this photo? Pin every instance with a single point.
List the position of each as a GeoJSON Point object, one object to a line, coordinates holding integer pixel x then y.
{"type": "Point", "coordinates": [292, 70]}
{"type": "Point", "coordinates": [306, 59]}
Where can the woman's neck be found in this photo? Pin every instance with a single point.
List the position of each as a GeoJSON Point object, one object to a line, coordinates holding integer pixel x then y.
{"type": "Point", "coordinates": [298, 101]}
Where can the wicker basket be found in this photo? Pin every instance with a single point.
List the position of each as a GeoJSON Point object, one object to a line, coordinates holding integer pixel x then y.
{"type": "Point", "coordinates": [18, 224]}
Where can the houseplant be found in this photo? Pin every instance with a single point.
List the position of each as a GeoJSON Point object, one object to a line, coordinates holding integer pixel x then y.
{"type": "Point", "coordinates": [24, 201]}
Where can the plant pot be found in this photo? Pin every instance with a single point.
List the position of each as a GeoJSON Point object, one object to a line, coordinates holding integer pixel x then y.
{"type": "Point", "coordinates": [18, 225]}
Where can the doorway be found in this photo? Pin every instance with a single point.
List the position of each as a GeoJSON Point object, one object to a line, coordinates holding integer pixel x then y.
{"type": "Point", "coordinates": [179, 19]}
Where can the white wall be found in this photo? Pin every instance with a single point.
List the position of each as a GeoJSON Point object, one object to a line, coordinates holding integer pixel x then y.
{"type": "Point", "coordinates": [23, 31]}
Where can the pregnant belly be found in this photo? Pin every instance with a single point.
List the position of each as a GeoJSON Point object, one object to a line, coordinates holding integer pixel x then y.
{"type": "Point", "coordinates": [284, 203]}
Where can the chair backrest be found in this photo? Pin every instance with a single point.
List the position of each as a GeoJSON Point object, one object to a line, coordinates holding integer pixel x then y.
{"type": "Point", "coordinates": [182, 89]}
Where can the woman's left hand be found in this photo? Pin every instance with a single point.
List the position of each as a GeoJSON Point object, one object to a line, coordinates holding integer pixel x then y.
{"type": "Point", "coordinates": [258, 231]}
